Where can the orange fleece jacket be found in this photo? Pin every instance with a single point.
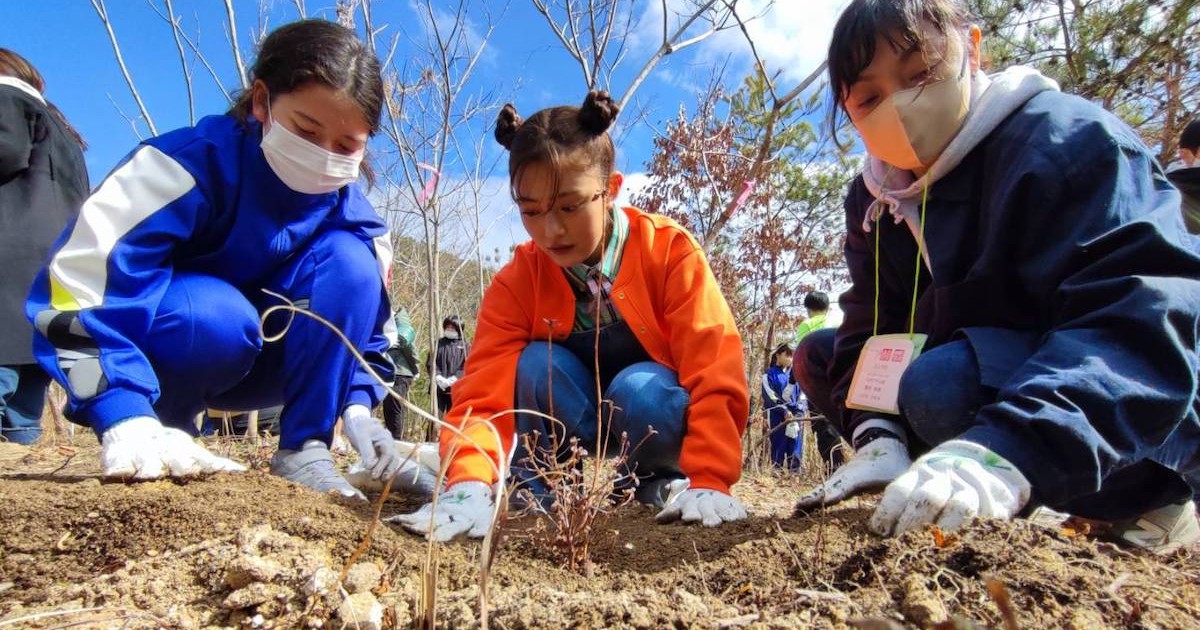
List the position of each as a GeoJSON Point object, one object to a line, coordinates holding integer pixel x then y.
{"type": "Point", "coordinates": [666, 292]}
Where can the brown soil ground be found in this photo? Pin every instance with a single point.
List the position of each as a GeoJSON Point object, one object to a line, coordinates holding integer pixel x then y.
{"type": "Point", "coordinates": [251, 550]}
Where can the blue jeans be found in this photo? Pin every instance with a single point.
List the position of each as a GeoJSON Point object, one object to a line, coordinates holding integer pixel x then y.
{"type": "Point", "coordinates": [939, 396]}
{"type": "Point", "coordinates": [22, 399]}
{"type": "Point", "coordinates": [644, 402]}
{"type": "Point", "coordinates": [813, 355]}
{"type": "Point", "coordinates": [205, 347]}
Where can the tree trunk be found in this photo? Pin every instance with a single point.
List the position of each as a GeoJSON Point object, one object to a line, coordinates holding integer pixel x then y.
{"type": "Point", "coordinates": [433, 270]}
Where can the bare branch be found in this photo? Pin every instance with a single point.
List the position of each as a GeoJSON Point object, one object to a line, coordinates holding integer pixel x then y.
{"type": "Point", "coordinates": [764, 147]}
{"type": "Point", "coordinates": [233, 40]}
{"type": "Point", "coordinates": [208, 66]}
{"type": "Point", "coordinates": [570, 43]}
{"type": "Point", "coordinates": [177, 28]}
{"type": "Point", "coordinates": [758, 62]}
{"type": "Point", "coordinates": [187, 71]}
{"type": "Point", "coordinates": [672, 44]}
{"type": "Point", "coordinates": [132, 121]}
{"type": "Point", "coordinates": [300, 8]}
{"type": "Point", "coordinates": [665, 38]}
{"type": "Point", "coordinates": [102, 11]}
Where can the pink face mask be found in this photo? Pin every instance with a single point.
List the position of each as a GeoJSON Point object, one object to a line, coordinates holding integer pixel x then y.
{"type": "Point", "coordinates": [912, 127]}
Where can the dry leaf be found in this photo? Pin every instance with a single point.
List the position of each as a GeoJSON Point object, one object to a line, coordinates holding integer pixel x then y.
{"type": "Point", "coordinates": [942, 539]}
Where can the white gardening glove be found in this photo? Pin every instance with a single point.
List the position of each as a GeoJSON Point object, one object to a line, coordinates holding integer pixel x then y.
{"type": "Point", "coordinates": [792, 430]}
{"type": "Point", "coordinates": [873, 466]}
{"type": "Point", "coordinates": [142, 448]}
{"type": "Point", "coordinates": [465, 507]}
{"type": "Point", "coordinates": [418, 472]}
{"type": "Point", "coordinates": [443, 383]}
{"type": "Point", "coordinates": [373, 442]}
{"type": "Point", "coordinates": [948, 486]}
{"type": "Point", "coordinates": [708, 507]}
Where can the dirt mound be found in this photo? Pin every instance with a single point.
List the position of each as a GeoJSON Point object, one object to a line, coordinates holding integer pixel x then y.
{"type": "Point", "coordinates": [253, 551]}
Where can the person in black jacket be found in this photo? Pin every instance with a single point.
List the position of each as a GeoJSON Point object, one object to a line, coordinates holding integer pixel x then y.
{"type": "Point", "coordinates": [449, 360]}
{"type": "Point", "coordinates": [43, 182]}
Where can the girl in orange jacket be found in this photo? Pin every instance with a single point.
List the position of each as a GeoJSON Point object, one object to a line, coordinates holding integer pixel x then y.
{"type": "Point", "coordinates": [602, 300]}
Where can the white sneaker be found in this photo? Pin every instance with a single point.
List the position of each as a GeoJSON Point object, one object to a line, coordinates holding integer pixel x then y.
{"type": "Point", "coordinates": [1161, 531]}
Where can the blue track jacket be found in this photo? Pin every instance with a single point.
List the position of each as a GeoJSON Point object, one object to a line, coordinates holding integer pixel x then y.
{"type": "Point", "coordinates": [201, 199]}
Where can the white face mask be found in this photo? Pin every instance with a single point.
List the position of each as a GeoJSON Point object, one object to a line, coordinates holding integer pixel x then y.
{"type": "Point", "coordinates": [911, 128]}
{"type": "Point", "coordinates": [450, 333]}
{"type": "Point", "coordinates": [304, 166]}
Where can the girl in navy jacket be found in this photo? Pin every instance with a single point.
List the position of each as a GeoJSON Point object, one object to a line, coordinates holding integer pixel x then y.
{"type": "Point", "coordinates": [1032, 240]}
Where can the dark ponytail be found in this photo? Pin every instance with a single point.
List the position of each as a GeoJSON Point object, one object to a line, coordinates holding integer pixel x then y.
{"type": "Point", "coordinates": [507, 124]}
{"type": "Point", "coordinates": [597, 113]}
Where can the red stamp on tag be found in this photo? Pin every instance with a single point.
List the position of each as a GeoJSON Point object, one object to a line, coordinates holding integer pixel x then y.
{"type": "Point", "coordinates": [898, 356]}
{"type": "Point", "coordinates": [885, 354]}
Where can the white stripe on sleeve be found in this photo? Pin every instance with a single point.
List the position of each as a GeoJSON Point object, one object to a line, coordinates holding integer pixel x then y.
{"type": "Point", "coordinates": [148, 181]}
{"type": "Point", "coordinates": [383, 256]}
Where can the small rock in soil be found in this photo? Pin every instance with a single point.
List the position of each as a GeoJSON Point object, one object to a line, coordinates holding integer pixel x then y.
{"type": "Point", "coordinates": [363, 577]}
{"type": "Point", "coordinates": [361, 611]}
{"type": "Point", "coordinates": [920, 606]}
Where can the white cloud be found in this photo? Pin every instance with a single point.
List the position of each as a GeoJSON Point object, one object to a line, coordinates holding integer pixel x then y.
{"type": "Point", "coordinates": [634, 184]}
{"type": "Point", "coordinates": [791, 36]}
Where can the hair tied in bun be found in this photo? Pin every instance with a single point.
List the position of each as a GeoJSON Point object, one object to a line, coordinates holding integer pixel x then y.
{"type": "Point", "coordinates": [598, 112]}
{"type": "Point", "coordinates": [507, 124]}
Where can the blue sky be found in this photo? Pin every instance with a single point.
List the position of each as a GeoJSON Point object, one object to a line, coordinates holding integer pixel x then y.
{"type": "Point", "coordinates": [523, 61]}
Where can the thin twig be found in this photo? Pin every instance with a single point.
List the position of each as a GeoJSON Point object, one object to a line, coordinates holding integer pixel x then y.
{"type": "Point", "coordinates": [366, 541]}
{"type": "Point", "coordinates": [102, 11]}
{"type": "Point", "coordinates": [187, 72]}
{"type": "Point", "coordinates": [233, 41]}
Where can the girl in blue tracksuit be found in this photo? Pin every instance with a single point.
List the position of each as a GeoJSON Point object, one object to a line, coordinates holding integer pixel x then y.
{"type": "Point", "coordinates": [148, 310]}
{"type": "Point", "coordinates": [782, 402]}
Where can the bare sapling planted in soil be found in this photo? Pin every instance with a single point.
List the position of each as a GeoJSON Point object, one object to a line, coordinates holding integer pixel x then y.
{"type": "Point", "coordinates": [580, 498]}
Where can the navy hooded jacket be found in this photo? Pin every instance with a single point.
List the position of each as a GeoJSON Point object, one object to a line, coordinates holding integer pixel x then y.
{"type": "Point", "coordinates": [1057, 249]}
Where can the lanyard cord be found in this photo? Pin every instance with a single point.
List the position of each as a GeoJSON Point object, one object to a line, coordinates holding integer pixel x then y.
{"type": "Point", "coordinates": [875, 328]}
{"type": "Point", "coordinates": [912, 314]}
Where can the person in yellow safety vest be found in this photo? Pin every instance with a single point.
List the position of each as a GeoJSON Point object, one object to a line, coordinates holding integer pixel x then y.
{"type": "Point", "coordinates": [816, 303]}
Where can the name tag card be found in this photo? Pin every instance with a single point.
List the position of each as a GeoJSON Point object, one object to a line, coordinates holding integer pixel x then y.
{"type": "Point", "coordinates": [883, 360]}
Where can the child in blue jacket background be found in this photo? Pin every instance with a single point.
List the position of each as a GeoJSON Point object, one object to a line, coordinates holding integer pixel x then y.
{"type": "Point", "coordinates": [781, 400]}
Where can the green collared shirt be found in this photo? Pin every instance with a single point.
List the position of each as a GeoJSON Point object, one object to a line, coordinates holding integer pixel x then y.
{"type": "Point", "coordinates": [593, 283]}
{"type": "Point", "coordinates": [816, 322]}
